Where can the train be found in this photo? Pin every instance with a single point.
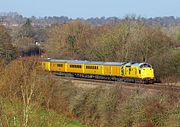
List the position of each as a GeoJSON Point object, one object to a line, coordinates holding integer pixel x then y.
{"type": "Point", "coordinates": [133, 72]}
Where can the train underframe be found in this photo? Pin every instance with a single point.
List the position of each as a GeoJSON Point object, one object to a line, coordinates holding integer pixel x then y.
{"type": "Point", "coordinates": [111, 78]}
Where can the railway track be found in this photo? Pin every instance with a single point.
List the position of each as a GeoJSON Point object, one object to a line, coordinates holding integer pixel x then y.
{"type": "Point", "coordinates": [155, 86]}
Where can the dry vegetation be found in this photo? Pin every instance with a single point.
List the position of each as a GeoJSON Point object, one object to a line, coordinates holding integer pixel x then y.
{"type": "Point", "coordinates": [26, 94]}
{"type": "Point", "coordinates": [117, 107]}
{"type": "Point", "coordinates": [101, 107]}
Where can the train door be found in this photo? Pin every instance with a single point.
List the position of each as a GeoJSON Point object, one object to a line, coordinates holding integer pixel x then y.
{"type": "Point", "coordinates": [122, 70]}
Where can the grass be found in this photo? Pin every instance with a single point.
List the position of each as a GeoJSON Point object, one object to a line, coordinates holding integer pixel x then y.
{"type": "Point", "coordinates": [178, 83]}
{"type": "Point", "coordinates": [11, 114]}
{"type": "Point", "coordinates": [75, 124]}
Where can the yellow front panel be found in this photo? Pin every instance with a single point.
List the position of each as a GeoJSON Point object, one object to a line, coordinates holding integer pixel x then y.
{"type": "Point", "coordinates": [98, 71]}
{"type": "Point", "coordinates": [57, 66]}
{"type": "Point", "coordinates": [135, 72]}
{"type": "Point", "coordinates": [74, 70]}
{"type": "Point", "coordinates": [147, 73]}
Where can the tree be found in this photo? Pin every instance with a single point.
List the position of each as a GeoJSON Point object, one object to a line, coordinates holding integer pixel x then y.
{"type": "Point", "coordinates": [7, 51]}
{"type": "Point", "coordinates": [27, 30]}
{"type": "Point", "coordinates": [25, 81]}
{"type": "Point", "coordinates": [64, 40]}
{"type": "Point", "coordinates": [178, 37]}
{"type": "Point", "coordinates": [148, 41]}
{"type": "Point", "coordinates": [27, 37]}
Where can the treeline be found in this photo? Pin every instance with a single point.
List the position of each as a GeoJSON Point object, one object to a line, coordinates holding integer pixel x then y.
{"type": "Point", "coordinates": [13, 18]}
{"type": "Point", "coordinates": [129, 40]}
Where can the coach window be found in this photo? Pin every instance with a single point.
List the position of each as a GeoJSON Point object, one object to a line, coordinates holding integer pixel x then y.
{"type": "Point", "coordinates": [59, 65]}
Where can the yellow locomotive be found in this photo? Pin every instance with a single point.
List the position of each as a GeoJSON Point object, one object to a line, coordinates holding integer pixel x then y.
{"type": "Point", "coordinates": [125, 71]}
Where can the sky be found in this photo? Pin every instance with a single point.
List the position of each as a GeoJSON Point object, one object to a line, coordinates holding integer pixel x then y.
{"type": "Point", "coordinates": [92, 8]}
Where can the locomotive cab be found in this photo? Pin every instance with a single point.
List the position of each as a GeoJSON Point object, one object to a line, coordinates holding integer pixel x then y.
{"type": "Point", "coordinates": [146, 73]}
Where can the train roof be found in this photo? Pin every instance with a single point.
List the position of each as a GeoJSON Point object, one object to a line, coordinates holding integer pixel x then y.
{"type": "Point", "coordinates": [68, 61]}
{"type": "Point", "coordinates": [99, 63]}
{"type": "Point", "coordinates": [56, 60]}
{"type": "Point", "coordinates": [115, 63]}
{"type": "Point", "coordinates": [87, 62]}
{"type": "Point", "coordinates": [96, 62]}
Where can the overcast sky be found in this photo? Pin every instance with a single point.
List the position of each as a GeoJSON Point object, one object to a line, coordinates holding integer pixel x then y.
{"type": "Point", "coordinates": [92, 8]}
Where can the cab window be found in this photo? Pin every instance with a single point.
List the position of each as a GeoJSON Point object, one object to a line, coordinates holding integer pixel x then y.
{"type": "Point", "coordinates": [145, 65]}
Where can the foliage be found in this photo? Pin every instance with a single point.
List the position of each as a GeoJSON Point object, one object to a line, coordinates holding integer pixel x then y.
{"type": "Point", "coordinates": [27, 39]}
{"type": "Point", "coordinates": [104, 107]}
{"type": "Point", "coordinates": [64, 40]}
{"type": "Point", "coordinates": [7, 51]}
{"type": "Point", "coordinates": [27, 30]}
{"type": "Point", "coordinates": [178, 36]}
{"type": "Point", "coordinates": [167, 65]}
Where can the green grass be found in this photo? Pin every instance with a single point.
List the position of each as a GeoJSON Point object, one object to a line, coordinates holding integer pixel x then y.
{"type": "Point", "coordinates": [75, 124]}
{"type": "Point", "coordinates": [11, 113]}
